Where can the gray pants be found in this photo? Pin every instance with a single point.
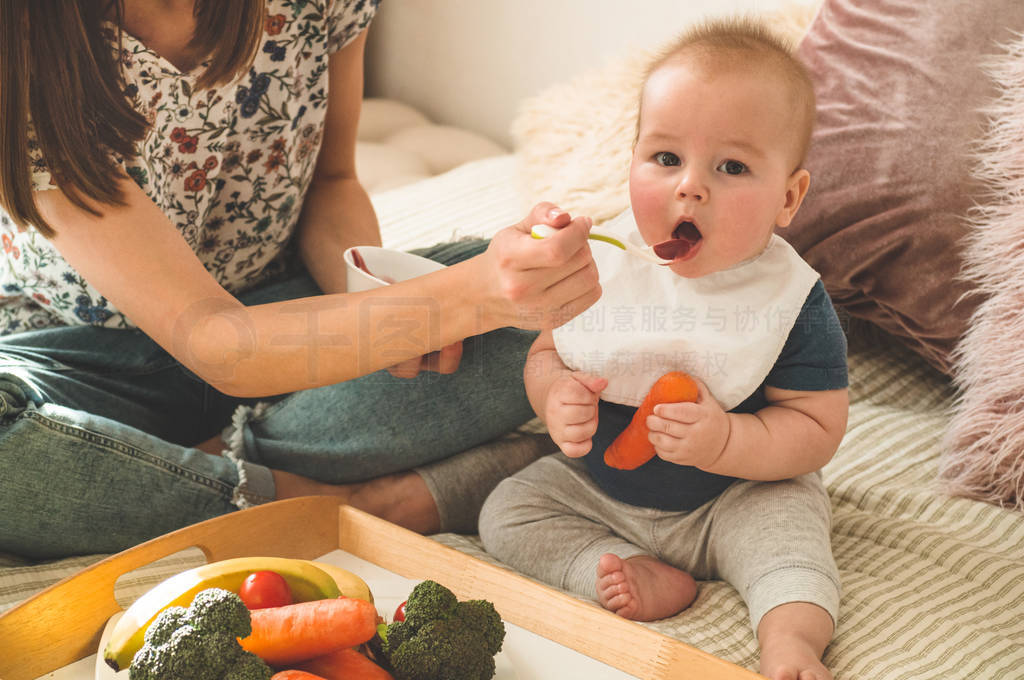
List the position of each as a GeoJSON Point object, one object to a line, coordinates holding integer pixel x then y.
{"type": "Point", "coordinates": [769, 540]}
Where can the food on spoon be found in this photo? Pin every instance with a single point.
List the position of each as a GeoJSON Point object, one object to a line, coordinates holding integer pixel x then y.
{"type": "Point", "coordinates": [305, 580]}
{"type": "Point", "coordinates": [633, 447]}
{"type": "Point", "coordinates": [199, 642]}
{"type": "Point", "coordinates": [684, 238]}
{"type": "Point", "coordinates": [441, 637]}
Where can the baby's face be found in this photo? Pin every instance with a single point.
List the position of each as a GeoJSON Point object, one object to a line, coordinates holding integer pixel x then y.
{"type": "Point", "coordinates": [714, 164]}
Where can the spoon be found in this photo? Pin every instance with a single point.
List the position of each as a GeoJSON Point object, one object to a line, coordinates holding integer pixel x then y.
{"type": "Point", "coordinates": [645, 253]}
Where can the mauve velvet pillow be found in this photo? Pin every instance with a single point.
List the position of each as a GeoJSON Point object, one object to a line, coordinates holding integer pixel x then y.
{"type": "Point", "coordinates": [899, 86]}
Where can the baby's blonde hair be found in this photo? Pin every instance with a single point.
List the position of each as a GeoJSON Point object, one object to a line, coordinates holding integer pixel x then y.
{"type": "Point", "coordinates": [744, 42]}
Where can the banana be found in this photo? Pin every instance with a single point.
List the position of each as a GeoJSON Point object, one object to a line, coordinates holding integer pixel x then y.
{"type": "Point", "coordinates": [306, 580]}
{"type": "Point", "coordinates": [349, 584]}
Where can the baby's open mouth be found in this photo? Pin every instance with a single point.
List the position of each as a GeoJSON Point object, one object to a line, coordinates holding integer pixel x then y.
{"type": "Point", "coordinates": [685, 236]}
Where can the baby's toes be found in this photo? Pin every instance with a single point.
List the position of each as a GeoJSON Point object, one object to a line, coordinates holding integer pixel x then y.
{"type": "Point", "coordinates": [617, 601]}
{"type": "Point", "coordinates": [610, 580]}
{"type": "Point", "coordinates": [625, 605]}
{"type": "Point", "coordinates": [788, 673]}
{"type": "Point", "coordinates": [610, 563]}
{"type": "Point", "coordinates": [812, 674]}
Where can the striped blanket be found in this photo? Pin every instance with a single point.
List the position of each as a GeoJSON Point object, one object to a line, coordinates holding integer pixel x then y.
{"type": "Point", "coordinates": [933, 586]}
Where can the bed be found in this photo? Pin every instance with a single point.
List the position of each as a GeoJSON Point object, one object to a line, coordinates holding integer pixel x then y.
{"type": "Point", "coordinates": [933, 586]}
{"type": "Point", "coordinates": [933, 583]}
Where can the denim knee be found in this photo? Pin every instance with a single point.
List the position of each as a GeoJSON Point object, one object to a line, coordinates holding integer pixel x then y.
{"type": "Point", "coordinates": [13, 398]}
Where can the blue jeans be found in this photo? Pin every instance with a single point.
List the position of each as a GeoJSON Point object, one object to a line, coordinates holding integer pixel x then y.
{"type": "Point", "coordinates": [97, 425]}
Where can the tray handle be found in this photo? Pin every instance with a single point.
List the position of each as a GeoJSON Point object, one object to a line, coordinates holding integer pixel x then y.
{"type": "Point", "coordinates": [63, 623]}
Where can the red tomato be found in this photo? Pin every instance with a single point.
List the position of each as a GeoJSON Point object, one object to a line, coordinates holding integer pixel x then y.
{"type": "Point", "coordinates": [400, 613]}
{"type": "Point", "coordinates": [262, 589]}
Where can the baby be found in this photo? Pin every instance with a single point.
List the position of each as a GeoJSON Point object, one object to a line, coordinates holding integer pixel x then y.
{"type": "Point", "coordinates": [735, 491]}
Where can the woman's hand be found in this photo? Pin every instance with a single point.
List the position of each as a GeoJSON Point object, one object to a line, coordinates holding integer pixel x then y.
{"type": "Point", "coordinates": [532, 283]}
{"type": "Point", "coordinates": [542, 283]}
{"type": "Point", "coordinates": [445, 360]}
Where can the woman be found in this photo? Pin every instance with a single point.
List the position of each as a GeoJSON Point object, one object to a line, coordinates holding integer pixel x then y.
{"type": "Point", "coordinates": [178, 186]}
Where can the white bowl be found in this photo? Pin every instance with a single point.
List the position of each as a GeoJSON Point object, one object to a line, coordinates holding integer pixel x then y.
{"type": "Point", "coordinates": [394, 264]}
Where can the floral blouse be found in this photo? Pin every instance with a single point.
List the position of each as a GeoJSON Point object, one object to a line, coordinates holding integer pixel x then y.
{"type": "Point", "coordinates": [229, 166]}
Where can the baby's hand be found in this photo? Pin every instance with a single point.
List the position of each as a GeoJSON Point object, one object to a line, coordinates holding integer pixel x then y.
{"type": "Point", "coordinates": [690, 433]}
{"type": "Point", "coordinates": [571, 411]}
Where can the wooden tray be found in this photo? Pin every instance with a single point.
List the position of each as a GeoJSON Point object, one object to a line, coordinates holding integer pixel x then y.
{"type": "Point", "coordinates": [63, 623]}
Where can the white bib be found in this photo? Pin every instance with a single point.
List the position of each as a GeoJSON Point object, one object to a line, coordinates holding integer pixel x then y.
{"type": "Point", "coordinates": [726, 328]}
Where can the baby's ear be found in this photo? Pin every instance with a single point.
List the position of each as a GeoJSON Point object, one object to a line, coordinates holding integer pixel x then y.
{"type": "Point", "coordinates": [796, 189]}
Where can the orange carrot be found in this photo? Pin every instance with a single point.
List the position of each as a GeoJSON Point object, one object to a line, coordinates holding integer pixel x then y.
{"type": "Point", "coordinates": [345, 664]}
{"type": "Point", "coordinates": [295, 675]}
{"type": "Point", "coordinates": [304, 630]}
{"type": "Point", "coordinates": [632, 448]}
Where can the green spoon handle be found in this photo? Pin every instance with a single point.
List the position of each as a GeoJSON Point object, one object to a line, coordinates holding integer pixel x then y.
{"type": "Point", "coordinates": [543, 231]}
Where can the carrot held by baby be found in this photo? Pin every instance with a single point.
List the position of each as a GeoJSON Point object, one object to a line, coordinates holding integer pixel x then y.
{"type": "Point", "coordinates": [632, 448]}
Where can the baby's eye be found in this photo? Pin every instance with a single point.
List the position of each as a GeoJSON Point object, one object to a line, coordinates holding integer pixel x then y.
{"type": "Point", "coordinates": [666, 158]}
{"type": "Point", "coordinates": [731, 167]}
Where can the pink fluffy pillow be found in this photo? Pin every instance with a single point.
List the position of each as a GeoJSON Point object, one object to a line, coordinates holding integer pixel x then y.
{"type": "Point", "coordinates": [984, 456]}
{"type": "Point", "coordinates": [895, 172]}
{"type": "Point", "coordinates": [899, 86]}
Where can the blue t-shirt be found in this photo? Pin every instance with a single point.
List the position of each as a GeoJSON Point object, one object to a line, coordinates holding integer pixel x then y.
{"type": "Point", "coordinates": [813, 359]}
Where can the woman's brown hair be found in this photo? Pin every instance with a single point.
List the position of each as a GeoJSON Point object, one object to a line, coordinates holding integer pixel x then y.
{"type": "Point", "coordinates": [58, 71]}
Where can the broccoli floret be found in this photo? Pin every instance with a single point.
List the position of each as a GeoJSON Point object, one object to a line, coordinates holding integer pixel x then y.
{"type": "Point", "coordinates": [428, 601]}
{"type": "Point", "coordinates": [216, 609]}
{"type": "Point", "coordinates": [166, 622]}
{"type": "Point", "coordinates": [446, 649]}
{"type": "Point", "coordinates": [175, 658]}
{"type": "Point", "coordinates": [199, 643]}
{"type": "Point", "coordinates": [189, 650]}
{"type": "Point", "coordinates": [395, 635]}
{"type": "Point", "coordinates": [482, 617]}
{"type": "Point", "coordinates": [460, 644]}
{"type": "Point", "coordinates": [220, 651]}
{"type": "Point", "coordinates": [150, 663]}
{"type": "Point", "coordinates": [412, 661]}
{"type": "Point", "coordinates": [248, 666]}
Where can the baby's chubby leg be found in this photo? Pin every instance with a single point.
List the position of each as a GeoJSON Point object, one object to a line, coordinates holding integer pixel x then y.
{"type": "Point", "coordinates": [772, 542]}
{"type": "Point", "coordinates": [793, 637]}
{"type": "Point", "coordinates": [552, 522]}
{"type": "Point", "coordinates": [643, 588]}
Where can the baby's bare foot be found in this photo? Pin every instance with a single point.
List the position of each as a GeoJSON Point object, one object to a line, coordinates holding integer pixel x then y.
{"type": "Point", "coordinates": [793, 637]}
{"type": "Point", "coordinates": [643, 588]}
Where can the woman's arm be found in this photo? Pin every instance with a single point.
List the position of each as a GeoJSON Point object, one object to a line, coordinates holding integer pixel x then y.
{"type": "Point", "coordinates": [135, 257]}
{"type": "Point", "coordinates": [337, 212]}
